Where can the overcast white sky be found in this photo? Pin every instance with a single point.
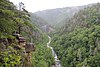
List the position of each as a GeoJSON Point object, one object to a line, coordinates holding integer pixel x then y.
{"type": "Point", "coordinates": [38, 5]}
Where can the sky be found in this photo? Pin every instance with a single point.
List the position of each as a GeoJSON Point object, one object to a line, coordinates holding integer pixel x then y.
{"type": "Point", "coordinates": [39, 5]}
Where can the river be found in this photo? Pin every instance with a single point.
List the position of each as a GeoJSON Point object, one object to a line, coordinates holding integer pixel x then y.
{"type": "Point", "coordinates": [57, 61]}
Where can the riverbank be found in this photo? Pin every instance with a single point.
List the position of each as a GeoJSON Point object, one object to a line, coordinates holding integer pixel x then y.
{"type": "Point", "coordinates": [57, 61]}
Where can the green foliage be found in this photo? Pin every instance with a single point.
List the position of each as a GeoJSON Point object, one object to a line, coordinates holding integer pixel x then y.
{"type": "Point", "coordinates": [42, 57]}
{"type": "Point", "coordinates": [77, 44]}
{"type": "Point", "coordinates": [10, 20]}
{"type": "Point", "coordinates": [9, 57]}
{"type": "Point", "coordinates": [40, 23]}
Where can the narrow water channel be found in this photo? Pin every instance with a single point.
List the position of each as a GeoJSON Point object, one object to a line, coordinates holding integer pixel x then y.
{"type": "Point", "coordinates": [57, 61]}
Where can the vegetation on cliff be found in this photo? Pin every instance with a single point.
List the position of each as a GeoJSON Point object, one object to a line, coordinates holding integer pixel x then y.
{"type": "Point", "coordinates": [12, 54]}
{"type": "Point", "coordinates": [78, 43]}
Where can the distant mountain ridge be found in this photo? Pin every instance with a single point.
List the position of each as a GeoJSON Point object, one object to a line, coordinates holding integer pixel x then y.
{"type": "Point", "coordinates": [41, 23]}
{"type": "Point", "coordinates": [77, 43]}
{"type": "Point", "coordinates": [55, 17]}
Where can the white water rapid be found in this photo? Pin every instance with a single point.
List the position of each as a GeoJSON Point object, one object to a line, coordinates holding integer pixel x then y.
{"type": "Point", "coordinates": [57, 61]}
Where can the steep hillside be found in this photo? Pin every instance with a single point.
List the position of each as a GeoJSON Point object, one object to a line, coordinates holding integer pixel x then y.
{"type": "Point", "coordinates": [77, 44]}
{"type": "Point", "coordinates": [20, 39]}
{"type": "Point", "coordinates": [82, 18]}
{"type": "Point", "coordinates": [38, 20]}
{"type": "Point", "coordinates": [41, 23]}
{"type": "Point", "coordinates": [56, 16]}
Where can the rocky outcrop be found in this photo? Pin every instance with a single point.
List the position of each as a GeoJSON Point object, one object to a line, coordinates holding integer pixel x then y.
{"type": "Point", "coordinates": [20, 44]}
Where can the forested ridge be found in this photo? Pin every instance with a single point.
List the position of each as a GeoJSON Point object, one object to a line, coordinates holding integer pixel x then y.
{"type": "Point", "coordinates": [40, 22]}
{"type": "Point", "coordinates": [56, 17]}
{"type": "Point", "coordinates": [77, 43]}
{"type": "Point", "coordinates": [23, 42]}
{"type": "Point", "coordinates": [16, 27]}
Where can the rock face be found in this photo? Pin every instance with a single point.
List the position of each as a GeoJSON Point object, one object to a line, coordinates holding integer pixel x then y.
{"type": "Point", "coordinates": [28, 48]}
{"type": "Point", "coordinates": [19, 44]}
{"type": "Point", "coordinates": [53, 66]}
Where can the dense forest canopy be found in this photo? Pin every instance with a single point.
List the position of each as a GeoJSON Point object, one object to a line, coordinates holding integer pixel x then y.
{"type": "Point", "coordinates": [78, 43]}
{"type": "Point", "coordinates": [12, 54]}
{"type": "Point", "coordinates": [23, 42]}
